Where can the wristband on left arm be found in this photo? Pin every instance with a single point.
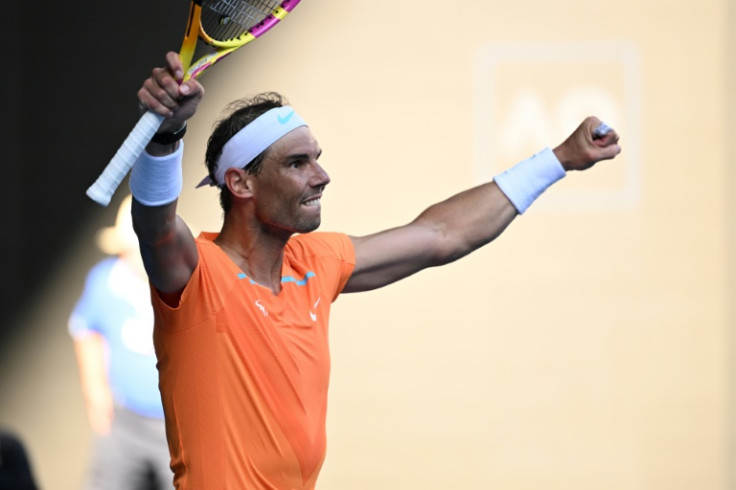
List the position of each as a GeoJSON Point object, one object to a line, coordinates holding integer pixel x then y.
{"type": "Point", "coordinates": [527, 180]}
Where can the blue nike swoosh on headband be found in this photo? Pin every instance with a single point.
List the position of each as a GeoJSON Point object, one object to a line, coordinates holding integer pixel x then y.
{"type": "Point", "coordinates": [285, 119]}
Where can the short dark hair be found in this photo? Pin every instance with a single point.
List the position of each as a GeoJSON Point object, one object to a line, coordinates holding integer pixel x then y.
{"type": "Point", "coordinates": [240, 113]}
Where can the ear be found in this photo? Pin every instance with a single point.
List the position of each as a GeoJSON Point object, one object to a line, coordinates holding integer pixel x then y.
{"type": "Point", "coordinates": [239, 182]}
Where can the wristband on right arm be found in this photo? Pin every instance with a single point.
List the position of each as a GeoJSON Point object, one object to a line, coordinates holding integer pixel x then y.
{"type": "Point", "coordinates": [527, 180]}
{"type": "Point", "coordinates": [157, 181]}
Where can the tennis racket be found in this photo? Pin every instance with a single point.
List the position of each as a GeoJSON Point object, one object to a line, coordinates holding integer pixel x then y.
{"type": "Point", "coordinates": [215, 28]}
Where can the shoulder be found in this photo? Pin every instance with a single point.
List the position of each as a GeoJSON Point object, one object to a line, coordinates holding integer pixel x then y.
{"type": "Point", "coordinates": [210, 254]}
{"type": "Point", "coordinates": [328, 256]}
{"type": "Point", "coordinates": [322, 245]}
{"type": "Point", "coordinates": [214, 268]}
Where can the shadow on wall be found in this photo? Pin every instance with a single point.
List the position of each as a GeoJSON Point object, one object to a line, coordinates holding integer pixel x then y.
{"type": "Point", "coordinates": [40, 394]}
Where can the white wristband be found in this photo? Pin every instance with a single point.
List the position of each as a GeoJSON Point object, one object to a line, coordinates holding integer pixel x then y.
{"type": "Point", "coordinates": [525, 181]}
{"type": "Point", "coordinates": [155, 181]}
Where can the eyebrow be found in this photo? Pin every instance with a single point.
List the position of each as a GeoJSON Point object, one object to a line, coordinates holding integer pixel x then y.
{"type": "Point", "coordinates": [302, 156]}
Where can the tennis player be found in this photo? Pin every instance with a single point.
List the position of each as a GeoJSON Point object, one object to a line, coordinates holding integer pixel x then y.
{"type": "Point", "coordinates": [241, 315]}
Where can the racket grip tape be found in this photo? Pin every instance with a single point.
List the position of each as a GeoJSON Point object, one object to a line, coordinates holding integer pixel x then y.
{"type": "Point", "coordinates": [121, 163]}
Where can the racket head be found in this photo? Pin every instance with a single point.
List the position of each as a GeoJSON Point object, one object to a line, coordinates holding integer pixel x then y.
{"type": "Point", "coordinates": [222, 26]}
{"type": "Point", "coordinates": [227, 25]}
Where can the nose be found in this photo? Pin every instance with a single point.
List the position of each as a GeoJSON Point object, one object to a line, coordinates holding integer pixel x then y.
{"type": "Point", "coordinates": [319, 178]}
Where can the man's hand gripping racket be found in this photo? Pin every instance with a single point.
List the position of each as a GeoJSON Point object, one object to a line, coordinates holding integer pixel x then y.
{"type": "Point", "coordinates": [216, 27]}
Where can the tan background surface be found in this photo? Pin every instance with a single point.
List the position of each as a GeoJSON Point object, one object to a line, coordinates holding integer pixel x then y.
{"type": "Point", "coordinates": [589, 347]}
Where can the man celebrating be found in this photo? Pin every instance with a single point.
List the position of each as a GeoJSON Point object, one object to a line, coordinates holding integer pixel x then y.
{"type": "Point", "coordinates": [241, 315]}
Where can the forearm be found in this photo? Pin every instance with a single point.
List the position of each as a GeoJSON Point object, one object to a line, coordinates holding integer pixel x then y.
{"type": "Point", "coordinates": [155, 182]}
{"type": "Point", "coordinates": [455, 227]}
{"type": "Point", "coordinates": [154, 225]}
{"type": "Point", "coordinates": [441, 234]}
{"type": "Point", "coordinates": [155, 197]}
{"type": "Point", "coordinates": [475, 217]}
{"type": "Point", "coordinates": [467, 221]}
{"type": "Point", "coordinates": [448, 230]}
{"type": "Point", "coordinates": [167, 246]}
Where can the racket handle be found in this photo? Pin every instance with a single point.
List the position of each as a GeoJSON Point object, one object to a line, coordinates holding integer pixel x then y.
{"type": "Point", "coordinates": [115, 171]}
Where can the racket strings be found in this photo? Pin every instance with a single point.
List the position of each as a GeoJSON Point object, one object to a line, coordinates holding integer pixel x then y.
{"type": "Point", "coordinates": [224, 20]}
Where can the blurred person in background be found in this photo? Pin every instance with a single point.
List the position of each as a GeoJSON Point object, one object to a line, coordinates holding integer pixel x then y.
{"type": "Point", "coordinates": [111, 326]}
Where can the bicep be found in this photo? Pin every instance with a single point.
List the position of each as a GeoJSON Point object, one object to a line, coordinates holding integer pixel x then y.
{"type": "Point", "coordinates": [391, 255]}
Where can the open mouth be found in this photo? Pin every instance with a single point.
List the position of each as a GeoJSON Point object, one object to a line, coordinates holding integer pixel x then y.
{"type": "Point", "coordinates": [314, 202]}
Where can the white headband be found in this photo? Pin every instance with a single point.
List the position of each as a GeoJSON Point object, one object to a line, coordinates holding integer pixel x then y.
{"type": "Point", "coordinates": [253, 139]}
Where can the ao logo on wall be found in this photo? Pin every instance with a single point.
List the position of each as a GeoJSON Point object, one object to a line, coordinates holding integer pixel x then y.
{"type": "Point", "coordinates": [532, 95]}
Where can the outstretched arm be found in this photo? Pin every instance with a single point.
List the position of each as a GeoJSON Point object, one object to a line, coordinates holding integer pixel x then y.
{"type": "Point", "coordinates": [167, 245]}
{"type": "Point", "coordinates": [466, 221]}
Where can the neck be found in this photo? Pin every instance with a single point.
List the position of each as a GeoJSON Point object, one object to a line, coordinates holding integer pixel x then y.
{"type": "Point", "coordinates": [258, 254]}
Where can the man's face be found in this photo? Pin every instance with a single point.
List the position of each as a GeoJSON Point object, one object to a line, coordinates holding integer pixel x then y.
{"type": "Point", "coordinates": [290, 184]}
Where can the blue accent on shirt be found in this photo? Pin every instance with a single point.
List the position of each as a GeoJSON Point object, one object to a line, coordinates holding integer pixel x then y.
{"type": "Point", "coordinates": [285, 279]}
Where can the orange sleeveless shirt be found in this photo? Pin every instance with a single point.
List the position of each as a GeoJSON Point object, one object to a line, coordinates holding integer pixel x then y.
{"type": "Point", "coordinates": [243, 373]}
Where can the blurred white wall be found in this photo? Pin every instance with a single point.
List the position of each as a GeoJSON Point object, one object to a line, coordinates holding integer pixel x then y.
{"type": "Point", "coordinates": [590, 346]}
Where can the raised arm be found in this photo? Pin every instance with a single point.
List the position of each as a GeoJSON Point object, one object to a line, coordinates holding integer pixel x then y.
{"type": "Point", "coordinates": [167, 245]}
{"type": "Point", "coordinates": [466, 221]}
